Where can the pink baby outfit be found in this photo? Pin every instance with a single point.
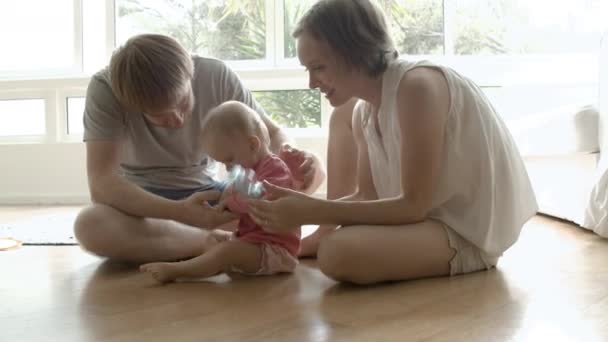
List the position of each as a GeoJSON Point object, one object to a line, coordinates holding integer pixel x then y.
{"type": "Point", "coordinates": [279, 251]}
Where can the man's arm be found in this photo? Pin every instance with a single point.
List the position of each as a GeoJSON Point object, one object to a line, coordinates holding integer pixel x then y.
{"type": "Point", "coordinates": [107, 187]}
{"type": "Point", "coordinates": [277, 135]}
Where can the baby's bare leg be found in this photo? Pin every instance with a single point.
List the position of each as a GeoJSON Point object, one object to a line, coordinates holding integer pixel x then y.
{"type": "Point", "coordinates": [222, 257]}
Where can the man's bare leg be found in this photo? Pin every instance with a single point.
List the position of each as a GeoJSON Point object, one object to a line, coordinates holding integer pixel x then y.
{"type": "Point", "coordinates": [108, 232]}
{"type": "Point", "coordinates": [222, 257]}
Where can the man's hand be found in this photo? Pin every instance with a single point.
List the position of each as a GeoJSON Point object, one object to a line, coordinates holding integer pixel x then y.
{"type": "Point", "coordinates": [196, 211]}
{"type": "Point", "coordinates": [225, 196]}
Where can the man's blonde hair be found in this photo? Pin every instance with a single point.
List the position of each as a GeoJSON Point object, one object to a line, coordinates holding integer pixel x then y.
{"type": "Point", "coordinates": [150, 72]}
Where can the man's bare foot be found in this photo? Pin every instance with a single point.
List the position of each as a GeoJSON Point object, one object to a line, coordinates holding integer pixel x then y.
{"type": "Point", "coordinates": [163, 272]}
{"type": "Point", "coordinates": [310, 244]}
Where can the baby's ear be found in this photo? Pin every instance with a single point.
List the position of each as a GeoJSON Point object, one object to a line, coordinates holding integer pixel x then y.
{"type": "Point", "coordinates": [254, 143]}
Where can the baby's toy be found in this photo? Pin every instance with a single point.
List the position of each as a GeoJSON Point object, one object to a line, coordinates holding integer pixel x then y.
{"type": "Point", "coordinates": [243, 181]}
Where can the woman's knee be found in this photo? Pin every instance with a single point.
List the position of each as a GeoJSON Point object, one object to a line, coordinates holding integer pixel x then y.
{"type": "Point", "coordinates": [336, 259]}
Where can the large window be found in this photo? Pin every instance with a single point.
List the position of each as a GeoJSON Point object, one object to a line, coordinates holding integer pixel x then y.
{"type": "Point", "coordinates": [480, 27]}
{"type": "Point", "coordinates": [544, 46]}
{"type": "Point", "coordinates": [234, 31]}
{"type": "Point", "coordinates": [417, 27]}
{"type": "Point", "coordinates": [225, 29]}
{"type": "Point", "coordinates": [526, 27]}
{"type": "Point", "coordinates": [40, 38]}
{"type": "Point", "coordinates": [292, 11]}
{"type": "Point", "coordinates": [499, 27]}
{"type": "Point", "coordinates": [292, 108]}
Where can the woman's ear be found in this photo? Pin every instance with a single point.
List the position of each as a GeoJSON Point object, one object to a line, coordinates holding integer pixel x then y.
{"type": "Point", "coordinates": [254, 143]}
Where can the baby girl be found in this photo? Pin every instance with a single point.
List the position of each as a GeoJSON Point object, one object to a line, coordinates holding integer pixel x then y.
{"type": "Point", "coordinates": [234, 134]}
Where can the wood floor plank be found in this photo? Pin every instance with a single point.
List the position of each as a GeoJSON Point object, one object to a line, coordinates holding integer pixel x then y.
{"type": "Point", "coordinates": [550, 286]}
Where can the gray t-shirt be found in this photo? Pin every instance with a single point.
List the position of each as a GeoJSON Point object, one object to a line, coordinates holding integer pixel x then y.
{"type": "Point", "coordinates": [158, 157]}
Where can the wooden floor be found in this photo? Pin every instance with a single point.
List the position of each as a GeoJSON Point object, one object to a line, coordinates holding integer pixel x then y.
{"type": "Point", "coordinates": [551, 286]}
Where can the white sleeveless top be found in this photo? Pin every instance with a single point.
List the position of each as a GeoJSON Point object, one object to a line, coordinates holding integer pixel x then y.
{"type": "Point", "coordinates": [483, 191]}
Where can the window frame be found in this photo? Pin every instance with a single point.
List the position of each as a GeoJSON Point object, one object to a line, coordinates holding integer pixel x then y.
{"type": "Point", "coordinates": [63, 97]}
{"type": "Point", "coordinates": [33, 94]}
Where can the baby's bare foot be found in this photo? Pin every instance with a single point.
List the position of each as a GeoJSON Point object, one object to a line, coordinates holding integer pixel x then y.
{"type": "Point", "coordinates": [163, 272]}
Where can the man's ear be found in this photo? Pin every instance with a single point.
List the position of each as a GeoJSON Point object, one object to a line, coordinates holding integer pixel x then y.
{"type": "Point", "coordinates": [254, 143]}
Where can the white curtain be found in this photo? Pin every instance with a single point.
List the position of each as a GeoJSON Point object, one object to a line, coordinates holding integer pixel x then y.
{"type": "Point", "coordinates": [596, 216]}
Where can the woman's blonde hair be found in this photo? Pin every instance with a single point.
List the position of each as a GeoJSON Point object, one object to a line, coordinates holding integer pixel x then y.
{"type": "Point", "coordinates": [355, 30]}
{"type": "Point", "coordinates": [150, 72]}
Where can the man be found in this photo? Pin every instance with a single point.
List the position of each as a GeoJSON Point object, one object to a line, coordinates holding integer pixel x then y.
{"type": "Point", "coordinates": [148, 179]}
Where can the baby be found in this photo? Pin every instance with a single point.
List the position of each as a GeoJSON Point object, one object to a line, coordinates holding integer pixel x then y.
{"type": "Point", "coordinates": [234, 134]}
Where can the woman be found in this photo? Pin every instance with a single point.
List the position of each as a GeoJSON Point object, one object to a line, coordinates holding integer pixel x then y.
{"type": "Point", "coordinates": [441, 188]}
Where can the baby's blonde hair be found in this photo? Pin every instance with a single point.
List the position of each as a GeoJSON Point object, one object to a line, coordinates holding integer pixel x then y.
{"type": "Point", "coordinates": [233, 118]}
{"type": "Point", "coordinates": [150, 72]}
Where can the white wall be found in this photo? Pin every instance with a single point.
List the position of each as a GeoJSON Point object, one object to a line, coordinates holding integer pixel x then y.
{"type": "Point", "coordinates": [43, 173]}
{"type": "Point", "coordinates": [56, 173]}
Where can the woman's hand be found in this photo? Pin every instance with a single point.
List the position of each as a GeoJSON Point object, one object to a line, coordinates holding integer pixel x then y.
{"type": "Point", "coordinates": [282, 211]}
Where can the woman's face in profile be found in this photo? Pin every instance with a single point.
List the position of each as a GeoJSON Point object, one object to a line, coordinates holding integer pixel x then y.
{"type": "Point", "coordinates": [324, 69]}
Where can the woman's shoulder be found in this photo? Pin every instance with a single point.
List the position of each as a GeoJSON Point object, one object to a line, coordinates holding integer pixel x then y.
{"type": "Point", "coordinates": [421, 72]}
{"type": "Point", "coordinates": [423, 86]}
{"type": "Point", "coordinates": [424, 79]}
{"type": "Point", "coordinates": [406, 77]}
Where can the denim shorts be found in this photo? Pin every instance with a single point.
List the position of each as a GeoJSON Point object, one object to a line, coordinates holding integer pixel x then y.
{"type": "Point", "coordinates": [179, 194]}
